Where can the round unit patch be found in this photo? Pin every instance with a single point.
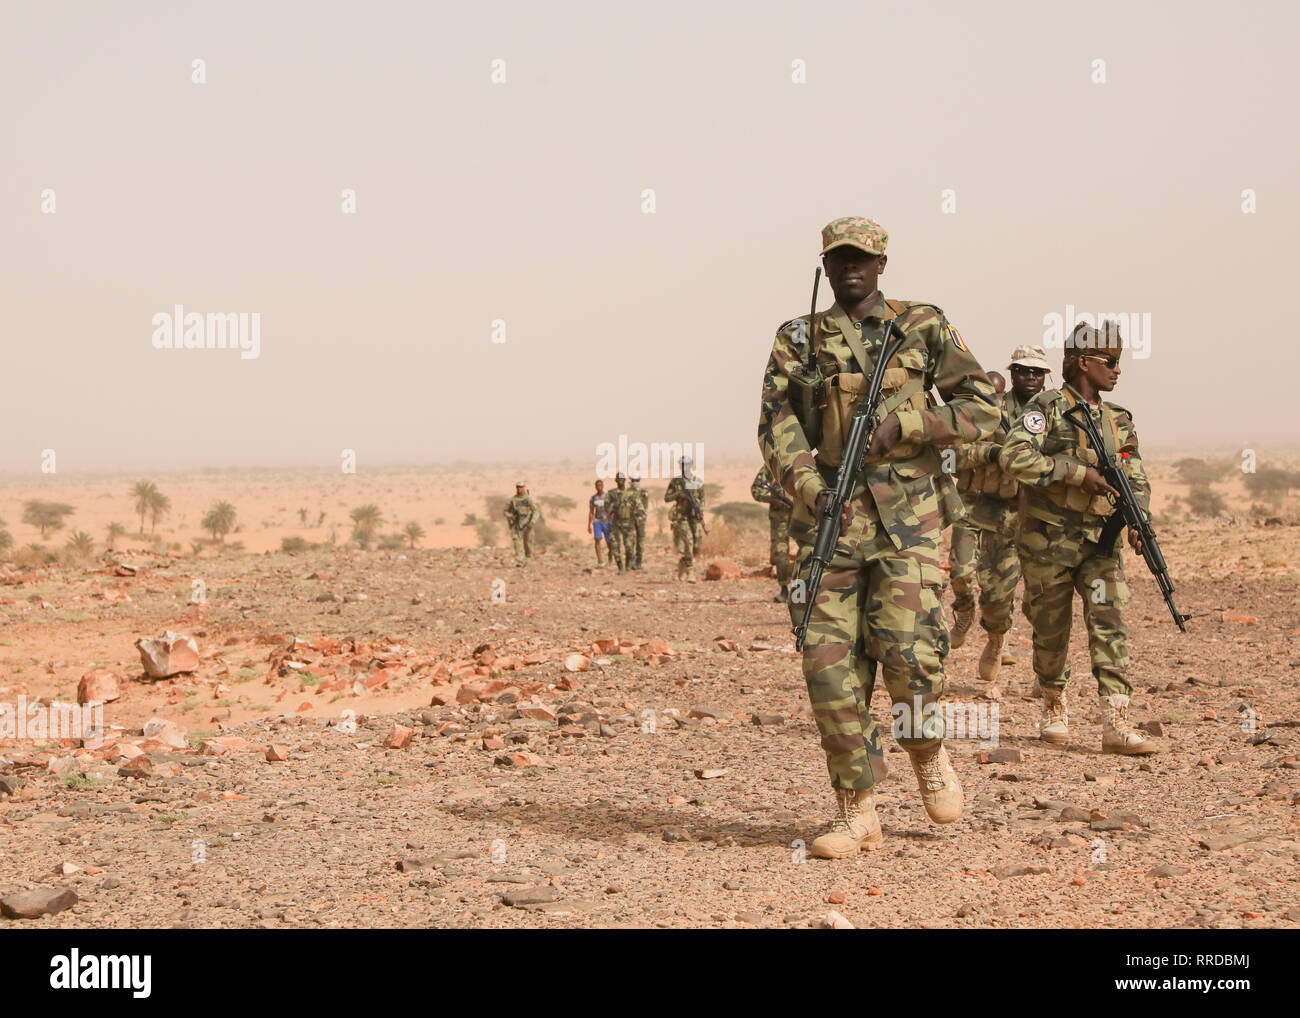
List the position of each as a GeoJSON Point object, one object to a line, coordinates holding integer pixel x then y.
{"type": "Point", "coordinates": [1035, 423]}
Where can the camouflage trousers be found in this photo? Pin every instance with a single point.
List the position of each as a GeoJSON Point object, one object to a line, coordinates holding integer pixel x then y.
{"type": "Point", "coordinates": [876, 604]}
{"type": "Point", "coordinates": [639, 529]}
{"type": "Point", "coordinates": [962, 557]}
{"type": "Point", "coordinates": [998, 572]}
{"type": "Point", "coordinates": [687, 535]}
{"type": "Point", "coordinates": [622, 543]}
{"type": "Point", "coordinates": [780, 527]}
{"type": "Point", "coordinates": [1049, 605]}
{"type": "Point", "coordinates": [522, 539]}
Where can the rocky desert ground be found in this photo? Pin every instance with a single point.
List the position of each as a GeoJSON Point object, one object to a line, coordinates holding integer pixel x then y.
{"type": "Point", "coordinates": [431, 737]}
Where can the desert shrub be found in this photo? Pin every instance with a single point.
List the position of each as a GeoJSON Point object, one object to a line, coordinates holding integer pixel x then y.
{"type": "Point", "coordinates": [550, 539]}
{"type": "Point", "coordinates": [496, 506]}
{"type": "Point", "coordinates": [439, 522]}
{"type": "Point", "coordinates": [712, 492]}
{"type": "Point", "coordinates": [1198, 472]}
{"type": "Point", "coordinates": [470, 520]}
{"type": "Point", "coordinates": [392, 542]}
{"type": "Point", "coordinates": [1203, 500]}
{"type": "Point", "coordinates": [33, 557]}
{"type": "Point", "coordinates": [1271, 484]}
{"type": "Point", "coordinates": [45, 516]}
{"type": "Point", "coordinates": [487, 533]}
{"type": "Point", "coordinates": [742, 515]}
{"type": "Point", "coordinates": [720, 541]}
{"type": "Point", "coordinates": [560, 504]}
{"type": "Point", "coordinates": [294, 544]}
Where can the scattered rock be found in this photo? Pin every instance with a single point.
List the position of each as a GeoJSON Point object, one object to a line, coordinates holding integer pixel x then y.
{"type": "Point", "coordinates": [167, 655]}
{"type": "Point", "coordinates": [34, 904]}
{"type": "Point", "coordinates": [399, 737]}
{"type": "Point", "coordinates": [167, 732]}
{"type": "Point", "coordinates": [524, 896]}
{"type": "Point", "coordinates": [98, 685]}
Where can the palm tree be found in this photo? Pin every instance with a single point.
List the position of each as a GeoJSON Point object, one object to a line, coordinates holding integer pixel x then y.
{"type": "Point", "coordinates": [144, 493]}
{"type": "Point", "coordinates": [159, 506]}
{"type": "Point", "coordinates": [115, 530]}
{"type": "Point", "coordinates": [414, 531]}
{"type": "Point", "coordinates": [219, 521]}
{"type": "Point", "coordinates": [367, 519]}
{"type": "Point", "coordinates": [81, 544]}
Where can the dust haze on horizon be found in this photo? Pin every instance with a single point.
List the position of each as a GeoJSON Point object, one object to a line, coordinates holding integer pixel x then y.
{"type": "Point", "coordinates": [1012, 182]}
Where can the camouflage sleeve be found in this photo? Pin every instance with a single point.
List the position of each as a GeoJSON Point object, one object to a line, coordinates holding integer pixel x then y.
{"type": "Point", "coordinates": [970, 403]}
{"type": "Point", "coordinates": [759, 490]}
{"type": "Point", "coordinates": [536, 509]}
{"type": "Point", "coordinates": [670, 494]}
{"type": "Point", "coordinates": [1137, 473]}
{"type": "Point", "coordinates": [976, 454]}
{"type": "Point", "coordinates": [781, 438]}
{"type": "Point", "coordinates": [1022, 453]}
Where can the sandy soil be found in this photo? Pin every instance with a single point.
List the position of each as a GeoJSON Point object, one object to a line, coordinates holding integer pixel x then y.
{"type": "Point", "coordinates": [539, 796]}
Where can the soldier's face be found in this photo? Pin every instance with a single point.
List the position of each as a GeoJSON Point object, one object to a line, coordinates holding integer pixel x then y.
{"type": "Point", "coordinates": [1027, 382]}
{"type": "Point", "coordinates": [853, 274]}
{"type": "Point", "coordinates": [600, 487]}
{"type": "Point", "coordinates": [1102, 371]}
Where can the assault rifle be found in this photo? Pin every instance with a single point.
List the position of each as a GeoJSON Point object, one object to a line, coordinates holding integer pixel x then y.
{"type": "Point", "coordinates": [861, 431]}
{"type": "Point", "coordinates": [696, 511]}
{"type": "Point", "coordinates": [1127, 511]}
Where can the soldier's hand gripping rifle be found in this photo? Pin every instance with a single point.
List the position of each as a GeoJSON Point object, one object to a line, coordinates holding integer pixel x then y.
{"type": "Point", "coordinates": [1128, 512]}
{"type": "Point", "coordinates": [696, 511]}
{"type": "Point", "coordinates": [861, 431]}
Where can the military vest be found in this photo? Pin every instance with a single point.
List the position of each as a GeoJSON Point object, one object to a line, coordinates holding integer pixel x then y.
{"type": "Point", "coordinates": [1072, 496]}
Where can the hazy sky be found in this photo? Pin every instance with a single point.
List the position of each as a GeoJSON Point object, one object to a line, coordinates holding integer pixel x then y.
{"type": "Point", "coordinates": [522, 202]}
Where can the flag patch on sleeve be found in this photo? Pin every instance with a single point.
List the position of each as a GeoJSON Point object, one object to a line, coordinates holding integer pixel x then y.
{"type": "Point", "coordinates": [957, 341]}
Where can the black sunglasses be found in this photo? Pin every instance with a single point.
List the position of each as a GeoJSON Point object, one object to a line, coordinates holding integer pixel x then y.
{"type": "Point", "coordinates": [1020, 369]}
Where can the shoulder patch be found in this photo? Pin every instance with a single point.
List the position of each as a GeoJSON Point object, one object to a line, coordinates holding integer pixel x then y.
{"type": "Point", "coordinates": [1034, 422]}
{"type": "Point", "coordinates": [957, 341]}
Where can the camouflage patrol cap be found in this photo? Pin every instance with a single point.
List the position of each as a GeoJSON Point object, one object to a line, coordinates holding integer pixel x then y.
{"type": "Point", "coordinates": [1088, 340]}
{"type": "Point", "coordinates": [520, 484]}
{"type": "Point", "coordinates": [854, 231]}
{"type": "Point", "coordinates": [1029, 357]}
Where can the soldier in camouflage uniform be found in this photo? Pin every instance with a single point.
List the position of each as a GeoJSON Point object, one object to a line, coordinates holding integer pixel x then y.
{"type": "Point", "coordinates": [1064, 502]}
{"type": "Point", "coordinates": [963, 553]}
{"type": "Point", "coordinates": [521, 513]}
{"type": "Point", "coordinates": [764, 489]}
{"type": "Point", "coordinates": [687, 524]}
{"type": "Point", "coordinates": [992, 500]}
{"type": "Point", "coordinates": [640, 502]}
{"type": "Point", "coordinates": [622, 524]}
{"type": "Point", "coordinates": [880, 596]}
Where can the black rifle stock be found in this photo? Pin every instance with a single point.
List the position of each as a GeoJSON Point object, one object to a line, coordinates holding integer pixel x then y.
{"type": "Point", "coordinates": [1128, 512]}
{"type": "Point", "coordinates": [861, 431]}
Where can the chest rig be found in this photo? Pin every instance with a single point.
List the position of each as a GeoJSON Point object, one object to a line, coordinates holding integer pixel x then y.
{"type": "Point", "coordinates": [1072, 496]}
{"type": "Point", "coordinates": [824, 397]}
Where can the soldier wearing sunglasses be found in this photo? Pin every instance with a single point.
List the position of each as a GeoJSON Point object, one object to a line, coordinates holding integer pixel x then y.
{"type": "Point", "coordinates": [1064, 503]}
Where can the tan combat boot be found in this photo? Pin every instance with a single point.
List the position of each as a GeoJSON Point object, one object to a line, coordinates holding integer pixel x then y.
{"type": "Point", "coordinates": [1054, 727]}
{"type": "Point", "coordinates": [854, 829]}
{"type": "Point", "coordinates": [991, 658]}
{"type": "Point", "coordinates": [1117, 735]}
{"type": "Point", "coordinates": [963, 619]}
{"type": "Point", "coordinates": [940, 789]}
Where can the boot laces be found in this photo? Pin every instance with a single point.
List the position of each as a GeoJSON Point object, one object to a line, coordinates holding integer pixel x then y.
{"type": "Point", "coordinates": [1120, 723]}
{"type": "Point", "coordinates": [933, 772]}
{"type": "Point", "coordinates": [1054, 706]}
{"type": "Point", "coordinates": [846, 813]}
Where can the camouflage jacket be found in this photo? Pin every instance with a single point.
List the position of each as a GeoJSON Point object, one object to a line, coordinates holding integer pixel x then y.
{"type": "Point", "coordinates": [906, 488]}
{"type": "Point", "coordinates": [989, 493]}
{"type": "Point", "coordinates": [619, 505]}
{"type": "Point", "coordinates": [640, 503]}
{"type": "Point", "coordinates": [1049, 457]}
{"type": "Point", "coordinates": [764, 489]}
{"type": "Point", "coordinates": [522, 512]}
{"type": "Point", "coordinates": [676, 494]}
